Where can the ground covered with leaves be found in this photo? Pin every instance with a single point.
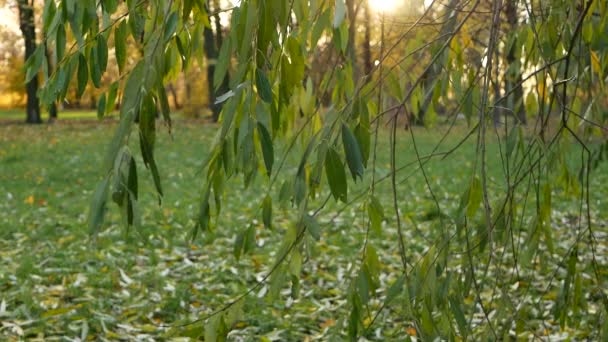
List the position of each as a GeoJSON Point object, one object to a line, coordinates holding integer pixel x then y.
{"type": "Point", "coordinates": [59, 283]}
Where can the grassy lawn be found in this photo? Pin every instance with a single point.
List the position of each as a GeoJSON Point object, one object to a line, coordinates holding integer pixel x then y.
{"type": "Point", "coordinates": [19, 114]}
{"type": "Point", "coordinates": [56, 281]}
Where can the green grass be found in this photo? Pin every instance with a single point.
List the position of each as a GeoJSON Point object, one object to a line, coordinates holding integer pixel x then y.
{"type": "Point", "coordinates": [56, 281]}
{"type": "Point", "coordinates": [19, 114]}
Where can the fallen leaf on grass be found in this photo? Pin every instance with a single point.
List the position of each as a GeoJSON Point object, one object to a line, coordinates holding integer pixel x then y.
{"type": "Point", "coordinates": [327, 323]}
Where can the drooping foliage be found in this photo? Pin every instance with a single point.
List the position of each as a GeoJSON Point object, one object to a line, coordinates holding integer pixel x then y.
{"type": "Point", "coordinates": [547, 59]}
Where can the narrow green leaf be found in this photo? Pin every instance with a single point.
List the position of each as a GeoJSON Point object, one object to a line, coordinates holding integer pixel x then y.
{"type": "Point", "coordinates": [95, 67]}
{"type": "Point", "coordinates": [352, 150]}
{"type": "Point", "coordinates": [111, 102]}
{"type": "Point", "coordinates": [187, 9]}
{"type": "Point", "coordinates": [376, 214]}
{"type": "Point", "coordinates": [204, 218]}
{"type": "Point", "coordinates": [353, 320]}
{"type": "Point", "coordinates": [295, 264]}
{"type": "Point", "coordinates": [394, 290]}
{"type": "Point", "coordinates": [48, 14]}
{"type": "Point", "coordinates": [66, 74]}
{"type": "Point", "coordinates": [238, 245]}
{"type": "Point", "coordinates": [267, 212]}
{"type": "Point", "coordinates": [300, 188]}
{"type": "Point", "coordinates": [60, 42]}
{"type": "Point", "coordinates": [195, 331]}
{"type": "Point", "coordinates": [474, 197]}
{"type": "Point", "coordinates": [286, 192]}
{"type": "Point", "coordinates": [363, 285]}
{"type": "Point", "coordinates": [109, 6]}
{"type": "Point", "coordinates": [102, 53]}
{"type": "Point", "coordinates": [227, 157]}
{"type": "Point", "coordinates": [312, 226]}
{"type": "Point", "coordinates": [263, 86]}
{"type": "Point", "coordinates": [306, 154]}
{"type": "Point", "coordinates": [456, 309]}
{"type": "Point", "coordinates": [249, 243]}
{"type": "Point", "coordinates": [132, 184]}
{"type": "Point", "coordinates": [394, 87]}
{"type": "Point", "coordinates": [98, 206]}
{"type": "Point", "coordinates": [120, 45]}
{"type": "Point", "coordinates": [372, 262]}
{"type": "Point", "coordinates": [101, 106]}
{"type": "Point", "coordinates": [223, 62]}
{"type": "Point", "coordinates": [33, 64]}
{"type": "Point", "coordinates": [182, 52]}
{"type": "Point", "coordinates": [267, 147]}
{"type": "Point", "coordinates": [164, 105]}
{"type": "Point", "coordinates": [320, 25]}
{"type": "Point", "coordinates": [336, 176]}
{"type": "Point", "coordinates": [216, 329]}
{"type": "Point", "coordinates": [295, 285]}
{"type": "Point", "coordinates": [147, 137]}
{"type": "Point", "coordinates": [170, 25]}
{"type": "Point", "coordinates": [363, 136]}
{"type": "Point", "coordinates": [512, 140]}
{"type": "Point", "coordinates": [83, 74]}
{"type": "Point", "coordinates": [137, 21]}
{"type": "Point", "coordinates": [130, 211]}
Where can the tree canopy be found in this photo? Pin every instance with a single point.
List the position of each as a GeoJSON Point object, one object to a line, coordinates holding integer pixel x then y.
{"type": "Point", "coordinates": [529, 74]}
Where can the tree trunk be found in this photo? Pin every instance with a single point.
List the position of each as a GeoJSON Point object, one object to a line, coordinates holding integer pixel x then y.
{"type": "Point", "coordinates": [352, 35]}
{"type": "Point", "coordinates": [513, 86]}
{"type": "Point", "coordinates": [211, 54]}
{"type": "Point", "coordinates": [367, 49]}
{"type": "Point", "coordinates": [430, 77]}
{"type": "Point", "coordinates": [28, 29]}
{"type": "Point", "coordinates": [497, 112]}
{"type": "Point", "coordinates": [173, 92]}
{"type": "Point", "coordinates": [212, 43]}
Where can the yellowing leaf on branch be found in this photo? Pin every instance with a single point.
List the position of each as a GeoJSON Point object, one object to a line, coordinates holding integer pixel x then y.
{"type": "Point", "coordinates": [542, 90]}
{"type": "Point", "coordinates": [466, 39]}
{"type": "Point", "coordinates": [595, 62]}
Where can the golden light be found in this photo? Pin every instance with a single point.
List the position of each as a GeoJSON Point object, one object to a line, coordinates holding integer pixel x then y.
{"type": "Point", "coordinates": [9, 19]}
{"type": "Point", "coordinates": [384, 6]}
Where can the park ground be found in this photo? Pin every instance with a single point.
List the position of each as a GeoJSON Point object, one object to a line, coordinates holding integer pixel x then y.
{"type": "Point", "coordinates": [56, 280]}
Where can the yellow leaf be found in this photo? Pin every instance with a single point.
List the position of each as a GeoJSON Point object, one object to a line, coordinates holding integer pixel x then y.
{"type": "Point", "coordinates": [58, 311]}
{"type": "Point", "coordinates": [328, 323]}
{"type": "Point", "coordinates": [29, 199]}
{"type": "Point", "coordinates": [542, 89]}
{"type": "Point", "coordinates": [411, 331]}
{"type": "Point", "coordinates": [148, 328]}
{"type": "Point", "coordinates": [595, 62]}
{"type": "Point", "coordinates": [113, 335]}
{"type": "Point", "coordinates": [466, 39]}
{"type": "Point", "coordinates": [62, 241]}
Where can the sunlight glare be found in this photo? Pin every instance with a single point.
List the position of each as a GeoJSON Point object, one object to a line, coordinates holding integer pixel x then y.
{"type": "Point", "coordinates": [384, 5]}
{"type": "Point", "coordinates": [8, 19]}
